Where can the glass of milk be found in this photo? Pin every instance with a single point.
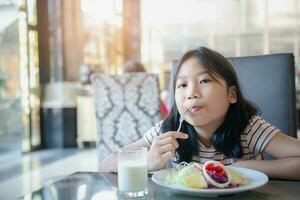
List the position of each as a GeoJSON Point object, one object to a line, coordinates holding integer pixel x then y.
{"type": "Point", "coordinates": [133, 172]}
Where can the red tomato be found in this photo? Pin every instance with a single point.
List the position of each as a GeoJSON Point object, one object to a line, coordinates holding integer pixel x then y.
{"type": "Point", "coordinates": [218, 169]}
{"type": "Point", "coordinates": [209, 167]}
{"type": "Point", "coordinates": [223, 173]}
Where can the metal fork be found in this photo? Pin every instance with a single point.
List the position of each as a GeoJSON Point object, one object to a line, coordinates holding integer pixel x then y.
{"type": "Point", "coordinates": [169, 163]}
{"type": "Point", "coordinates": [182, 117]}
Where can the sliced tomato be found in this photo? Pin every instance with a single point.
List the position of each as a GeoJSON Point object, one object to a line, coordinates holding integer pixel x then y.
{"type": "Point", "coordinates": [218, 169]}
{"type": "Point", "coordinates": [222, 173]}
{"type": "Point", "coordinates": [209, 167]}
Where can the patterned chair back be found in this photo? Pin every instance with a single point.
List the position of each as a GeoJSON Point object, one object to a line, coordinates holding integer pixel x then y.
{"type": "Point", "coordinates": [126, 107]}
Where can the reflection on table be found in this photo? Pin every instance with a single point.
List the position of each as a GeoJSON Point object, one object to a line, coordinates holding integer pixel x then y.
{"type": "Point", "coordinates": [93, 185]}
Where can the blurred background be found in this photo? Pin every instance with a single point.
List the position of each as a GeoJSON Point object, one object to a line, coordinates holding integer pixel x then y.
{"type": "Point", "coordinates": [48, 49]}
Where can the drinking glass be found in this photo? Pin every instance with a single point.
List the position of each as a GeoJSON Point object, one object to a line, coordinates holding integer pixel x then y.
{"type": "Point", "coordinates": [133, 172]}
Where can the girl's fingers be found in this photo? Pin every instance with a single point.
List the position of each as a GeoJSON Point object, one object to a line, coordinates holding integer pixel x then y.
{"type": "Point", "coordinates": [168, 140]}
{"type": "Point", "coordinates": [168, 155]}
{"type": "Point", "coordinates": [174, 134]}
{"type": "Point", "coordinates": [165, 145]}
{"type": "Point", "coordinates": [166, 148]}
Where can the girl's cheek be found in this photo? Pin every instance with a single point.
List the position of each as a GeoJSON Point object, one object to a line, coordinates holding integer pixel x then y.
{"type": "Point", "coordinates": [178, 102]}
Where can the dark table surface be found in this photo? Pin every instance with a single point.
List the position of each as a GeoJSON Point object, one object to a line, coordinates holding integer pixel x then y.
{"type": "Point", "coordinates": [93, 185]}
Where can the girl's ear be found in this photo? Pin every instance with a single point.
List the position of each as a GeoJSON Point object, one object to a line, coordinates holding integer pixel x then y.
{"type": "Point", "coordinates": [232, 97]}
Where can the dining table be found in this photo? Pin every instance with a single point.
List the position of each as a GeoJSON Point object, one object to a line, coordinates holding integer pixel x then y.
{"type": "Point", "coordinates": [104, 185]}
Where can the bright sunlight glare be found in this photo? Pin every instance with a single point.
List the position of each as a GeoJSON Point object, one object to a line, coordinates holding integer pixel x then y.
{"type": "Point", "coordinates": [99, 10]}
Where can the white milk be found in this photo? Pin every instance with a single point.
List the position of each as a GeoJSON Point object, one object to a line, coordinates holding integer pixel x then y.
{"type": "Point", "coordinates": [132, 176]}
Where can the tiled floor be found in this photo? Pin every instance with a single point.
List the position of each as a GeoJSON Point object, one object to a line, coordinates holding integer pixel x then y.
{"type": "Point", "coordinates": [31, 171]}
{"type": "Point", "coordinates": [12, 164]}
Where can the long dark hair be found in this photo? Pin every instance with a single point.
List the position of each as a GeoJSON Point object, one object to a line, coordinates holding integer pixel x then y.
{"type": "Point", "coordinates": [226, 138]}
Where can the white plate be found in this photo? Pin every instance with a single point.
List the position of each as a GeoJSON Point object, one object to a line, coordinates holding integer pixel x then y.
{"type": "Point", "coordinates": [255, 179]}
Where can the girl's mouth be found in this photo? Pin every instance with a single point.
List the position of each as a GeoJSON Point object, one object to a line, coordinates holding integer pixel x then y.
{"type": "Point", "coordinates": [195, 108]}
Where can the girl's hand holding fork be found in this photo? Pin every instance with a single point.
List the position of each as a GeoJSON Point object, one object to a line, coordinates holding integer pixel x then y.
{"type": "Point", "coordinates": [163, 149]}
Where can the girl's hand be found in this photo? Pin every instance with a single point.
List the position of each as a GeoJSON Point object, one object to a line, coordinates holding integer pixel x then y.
{"type": "Point", "coordinates": [163, 149]}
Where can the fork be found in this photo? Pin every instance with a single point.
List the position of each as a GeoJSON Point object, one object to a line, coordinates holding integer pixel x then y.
{"type": "Point", "coordinates": [169, 163]}
{"type": "Point", "coordinates": [181, 118]}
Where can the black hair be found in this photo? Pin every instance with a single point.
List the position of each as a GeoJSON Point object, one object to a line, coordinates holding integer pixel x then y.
{"type": "Point", "coordinates": [226, 138]}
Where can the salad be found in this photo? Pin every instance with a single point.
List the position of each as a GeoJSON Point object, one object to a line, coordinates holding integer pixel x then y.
{"type": "Point", "coordinates": [213, 174]}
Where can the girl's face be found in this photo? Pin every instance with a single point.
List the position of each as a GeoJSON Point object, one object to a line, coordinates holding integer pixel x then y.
{"type": "Point", "coordinates": [207, 97]}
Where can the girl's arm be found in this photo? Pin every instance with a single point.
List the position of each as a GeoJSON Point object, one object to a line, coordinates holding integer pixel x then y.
{"type": "Point", "coordinates": [287, 165]}
{"type": "Point", "coordinates": [110, 163]}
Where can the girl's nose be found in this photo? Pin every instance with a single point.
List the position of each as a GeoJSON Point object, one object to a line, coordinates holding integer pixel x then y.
{"type": "Point", "coordinates": [194, 92]}
{"type": "Point", "coordinates": [195, 96]}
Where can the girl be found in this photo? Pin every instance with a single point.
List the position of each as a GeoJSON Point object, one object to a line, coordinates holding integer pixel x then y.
{"type": "Point", "coordinates": [220, 125]}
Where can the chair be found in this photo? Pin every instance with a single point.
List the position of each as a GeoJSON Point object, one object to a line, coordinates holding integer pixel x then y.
{"type": "Point", "coordinates": [269, 82]}
{"type": "Point", "coordinates": [126, 107]}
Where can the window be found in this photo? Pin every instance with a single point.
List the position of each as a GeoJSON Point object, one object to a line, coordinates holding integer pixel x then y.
{"type": "Point", "coordinates": [234, 28]}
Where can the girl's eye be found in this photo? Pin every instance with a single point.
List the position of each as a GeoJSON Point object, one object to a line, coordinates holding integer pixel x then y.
{"type": "Point", "coordinates": [182, 85]}
{"type": "Point", "coordinates": [205, 81]}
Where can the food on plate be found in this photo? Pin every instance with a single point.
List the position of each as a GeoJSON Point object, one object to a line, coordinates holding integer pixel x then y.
{"type": "Point", "coordinates": [189, 176]}
{"type": "Point", "coordinates": [216, 174]}
{"type": "Point", "coordinates": [237, 178]}
{"type": "Point", "coordinates": [213, 174]}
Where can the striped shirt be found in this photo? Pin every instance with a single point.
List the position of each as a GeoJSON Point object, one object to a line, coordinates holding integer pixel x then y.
{"type": "Point", "coordinates": [253, 140]}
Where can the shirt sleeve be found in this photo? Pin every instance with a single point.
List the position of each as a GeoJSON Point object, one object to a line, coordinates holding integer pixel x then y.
{"type": "Point", "coordinates": [259, 133]}
{"type": "Point", "coordinates": [153, 132]}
